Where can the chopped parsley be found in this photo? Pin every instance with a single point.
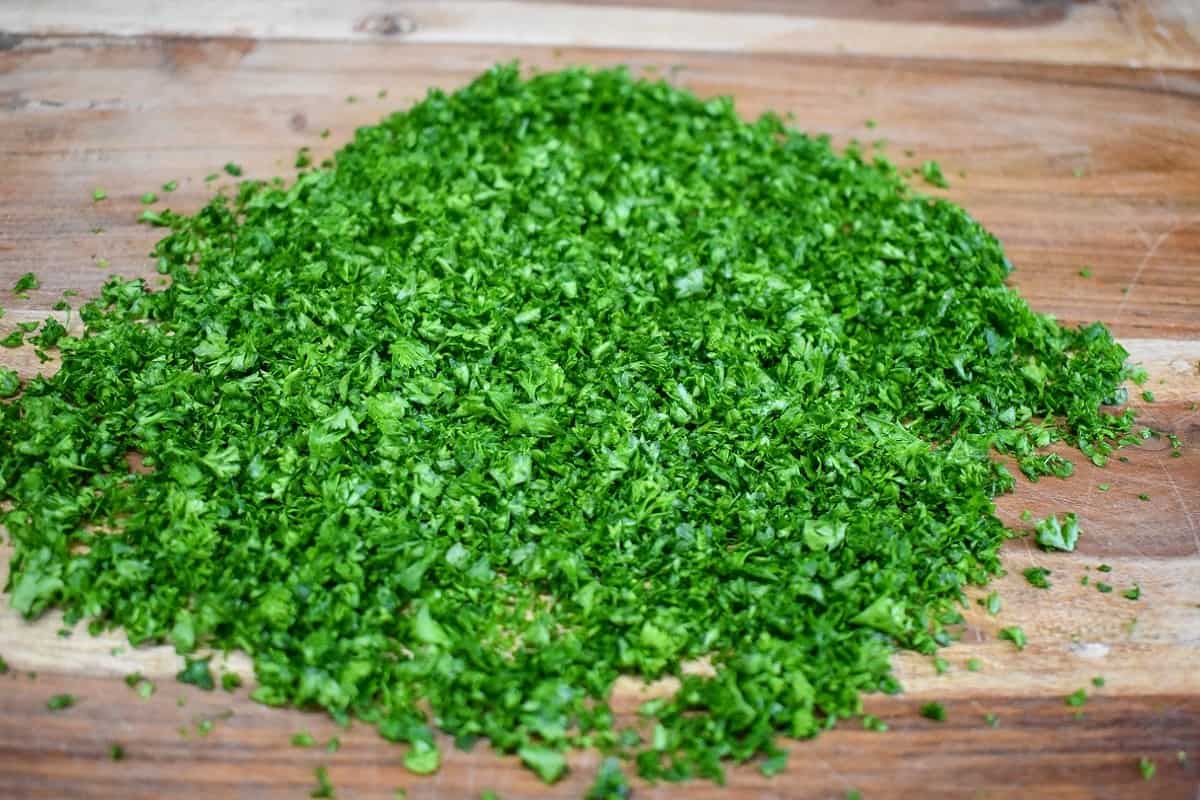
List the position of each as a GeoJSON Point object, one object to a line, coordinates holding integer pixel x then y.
{"type": "Point", "coordinates": [1132, 594]}
{"type": "Point", "coordinates": [1103, 588]}
{"type": "Point", "coordinates": [25, 283]}
{"type": "Point", "coordinates": [1036, 576]}
{"type": "Point", "coordinates": [1055, 535]}
{"type": "Point", "coordinates": [60, 701]}
{"type": "Point", "coordinates": [1098, 682]}
{"type": "Point", "coordinates": [303, 739]}
{"type": "Point", "coordinates": [233, 169]}
{"type": "Point", "coordinates": [116, 752]}
{"type": "Point", "coordinates": [1077, 698]}
{"type": "Point", "coordinates": [974, 665]}
{"type": "Point", "coordinates": [98, 195]}
{"type": "Point", "coordinates": [324, 786]}
{"type": "Point", "coordinates": [1015, 635]}
{"type": "Point", "coordinates": [934, 711]}
{"type": "Point", "coordinates": [170, 186]}
{"type": "Point", "coordinates": [1147, 767]}
{"type": "Point", "coordinates": [543, 382]}
{"type": "Point", "coordinates": [149, 198]}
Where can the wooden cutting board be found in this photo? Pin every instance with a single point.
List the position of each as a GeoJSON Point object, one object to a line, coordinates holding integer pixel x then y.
{"type": "Point", "coordinates": [1072, 131]}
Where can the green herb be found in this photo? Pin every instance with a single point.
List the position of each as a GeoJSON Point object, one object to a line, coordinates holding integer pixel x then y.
{"type": "Point", "coordinates": [25, 283]}
{"type": "Point", "coordinates": [303, 158]}
{"type": "Point", "coordinates": [170, 186]}
{"type": "Point", "coordinates": [148, 198]}
{"type": "Point", "coordinates": [197, 673]}
{"type": "Point", "coordinates": [1103, 588]}
{"type": "Point", "coordinates": [233, 169]}
{"type": "Point", "coordinates": [14, 339]}
{"type": "Point", "coordinates": [1147, 767]}
{"type": "Point", "coordinates": [324, 787]}
{"type": "Point", "coordinates": [1055, 535]}
{"type": "Point", "coordinates": [3, 666]}
{"type": "Point", "coordinates": [98, 195]}
{"type": "Point", "coordinates": [1144, 497]}
{"type": "Point", "coordinates": [991, 719]}
{"type": "Point", "coordinates": [1015, 635]}
{"type": "Point", "coordinates": [304, 739]}
{"type": "Point", "coordinates": [60, 701]}
{"type": "Point", "coordinates": [1132, 594]}
{"type": "Point", "coordinates": [1083, 581]}
{"type": "Point", "coordinates": [774, 764]}
{"type": "Point", "coordinates": [1077, 698]}
{"type": "Point", "coordinates": [1104, 487]}
{"type": "Point", "coordinates": [1148, 396]}
{"type": "Point", "coordinates": [422, 757]}
{"type": "Point", "coordinates": [1086, 272]}
{"type": "Point", "coordinates": [941, 665]}
{"type": "Point", "coordinates": [10, 382]}
{"type": "Point", "coordinates": [333, 745]}
{"type": "Point", "coordinates": [204, 727]}
{"type": "Point", "coordinates": [854, 794]}
{"type": "Point", "coordinates": [210, 177]}
{"type": "Point", "coordinates": [1036, 576]}
{"type": "Point", "coordinates": [991, 603]}
{"type": "Point", "coordinates": [325, 133]}
{"type": "Point", "coordinates": [934, 711]}
{"type": "Point", "coordinates": [931, 171]}
{"type": "Point", "coordinates": [116, 752]}
{"type": "Point", "coordinates": [1098, 682]}
{"type": "Point", "coordinates": [874, 723]}
{"type": "Point", "coordinates": [230, 681]}
{"type": "Point", "coordinates": [1104, 568]}
{"type": "Point", "coordinates": [543, 382]}
{"type": "Point", "coordinates": [549, 764]}
{"type": "Point", "coordinates": [974, 664]}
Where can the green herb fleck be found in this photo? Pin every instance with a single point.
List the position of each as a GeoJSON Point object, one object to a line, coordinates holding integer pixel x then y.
{"type": "Point", "coordinates": [874, 723]}
{"type": "Point", "coordinates": [148, 198]}
{"type": "Point", "coordinates": [941, 665]}
{"type": "Point", "coordinates": [1015, 635]}
{"type": "Point", "coordinates": [1144, 497]}
{"type": "Point", "coordinates": [303, 739]}
{"type": "Point", "coordinates": [1086, 272]}
{"type": "Point", "coordinates": [333, 745]}
{"type": "Point", "coordinates": [197, 673]}
{"type": "Point", "coordinates": [116, 752]}
{"type": "Point", "coordinates": [1104, 487]}
{"type": "Point", "coordinates": [10, 382]}
{"type": "Point", "coordinates": [992, 603]}
{"type": "Point", "coordinates": [324, 786]}
{"type": "Point", "coordinates": [974, 664]}
{"type": "Point", "coordinates": [934, 711]}
{"type": "Point", "coordinates": [230, 681]}
{"type": "Point", "coordinates": [233, 169]}
{"type": "Point", "coordinates": [931, 171]}
{"type": "Point", "coordinates": [25, 283]}
{"type": "Point", "coordinates": [991, 719]}
{"type": "Point", "coordinates": [1055, 535]}
{"type": "Point", "coordinates": [1098, 682]}
{"type": "Point", "coordinates": [1103, 588]}
{"type": "Point", "coordinates": [1132, 594]}
{"type": "Point", "coordinates": [1036, 576]}
{"type": "Point", "coordinates": [1148, 396]}
{"type": "Point", "coordinates": [1147, 767]}
{"type": "Point", "coordinates": [60, 701]}
{"type": "Point", "coordinates": [549, 764]}
{"type": "Point", "coordinates": [98, 195]}
{"type": "Point", "coordinates": [1104, 568]}
{"type": "Point", "coordinates": [422, 758]}
{"type": "Point", "coordinates": [1077, 698]}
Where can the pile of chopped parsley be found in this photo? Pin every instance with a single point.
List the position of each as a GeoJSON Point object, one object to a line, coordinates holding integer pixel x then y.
{"type": "Point", "coordinates": [543, 382]}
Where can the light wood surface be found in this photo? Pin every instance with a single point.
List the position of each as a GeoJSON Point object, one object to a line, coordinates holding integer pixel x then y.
{"type": "Point", "coordinates": [1077, 127]}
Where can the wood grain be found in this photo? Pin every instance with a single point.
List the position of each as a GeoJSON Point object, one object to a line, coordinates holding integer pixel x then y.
{"type": "Point", "coordinates": [1071, 165]}
{"type": "Point", "coordinates": [1154, 33]}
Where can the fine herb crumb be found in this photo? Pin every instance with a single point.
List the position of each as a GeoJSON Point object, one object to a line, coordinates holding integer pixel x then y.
{"type": "Point", "coordinates": [1015, 635]}
{"type": "Point", "coordinates": [1133, 594]}
{"type": "Point", "coordinates": [333, 745]}
{"type": "Point", "coordinates": [974, 665]}
{"type": "Point", "coordinates": [1148, 396]}
{"type": "Point", "coordinates": [1104, 487]}
{"type": "Point", "coordinates": [1086, 272]}
{"type": "Point", "coordinates": [1104, 568]}
{"type": "Point", "coordinates": [1144, 497]}
{"type": "Point", "coordinates": [934, 711]}
{"type": "Point", "coordinates": [116, 752]}
{"type": "Point", "coordinates": [98, 195]}
{"type": "Point", "coordinates": [302, 739]}
{"type": "Point", "coordinates": [1036, 576]}
{"type": "Point", "coordinates": [1077, 698]}
{"type": "Point", "coordinates": [170, 186]}
{"type": "Point", "coordinates": [991, 719]}
{"type": "Point", "coordinates": [941, 665]}
{"type": "Point", "coordinates": [148, 198]}
{"type": "Point", "coordinates": [60, 701]}
{"type": "Point", "coordinates": [230, 681]}
{"type": "Point", "coordinates": [1103, 588]}
{"type": "Point", "coordinates": [233, 169]}
{"type": "Point", "coordinates": [1147, 767]}
{"type": "Point", "coordinates": [324, 786]}
{"type": "Point", "coordinates": [931, 171]}
{"type": "Point", "coordinates": [1098, 682]}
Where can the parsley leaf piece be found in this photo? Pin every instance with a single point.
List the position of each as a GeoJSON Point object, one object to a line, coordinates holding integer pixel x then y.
{"type": "Point", "coordinates": [1098, 681]}
{"type": "Point", "coordinates": [422, 758]}
{"type": "Point", "coordinates": [1055, 535]}
{"type": "Point", "coordinates": [60, 701]}
{"type": "Point", "coordinates": [1077, 698]}
{"type": "Point", "coordinates": [1036, 576]}
{"type": "Point", "coordinates": [324, 786]}
{"type": "Point", "coordinates": [149, 198]}
{"type": "Point", "coordinates": [1103, 588]}
{"type": "Point", "coordinates": [1132, 594]}
{"type": "Point", "coordinates": [197, 673]}
{"type": "Point", "coordinates": [98, 195]}
{"type": "Point", "coordinates": [302, 739]}
{"type": "Point", "coordinates": [1147, 768]}
{"type": "Point", "coordinates": [934, 711]}
{"type": "Point", "coordinates": [1015, 635]}
{"type": "Point", "coordinates": [549, 764]}
{"type": "Point", "coordinates": [25, 283]}
{"type": "Point", "coordinates": [233, 169]}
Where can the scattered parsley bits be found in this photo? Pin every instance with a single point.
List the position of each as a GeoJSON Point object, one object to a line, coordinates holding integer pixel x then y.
{"type": "Point", "coordinates": [197, 673]}
{"type": "Point", "coordinates": [170, 186]}
{"type": "Point", "coordinates": [1147, 768]}
{"type": "Point", "coordinates": [1104, 568]}
{"type": "Point", "coordinates": [1077, 698]}
{"type": "Point", "coordinates": [1144, 497]}
{"type": "Point", "coordinates": [931, 171]}
{"type": "Point", "coordinates": [1148, 396]}
{"type": "Point", "coordinates": [1086, 272]}
{"type": "Point", "coordinates": [1015, 635]}
{"type": "Point", "coordinates": [303, 739]}
{"type": "Point", "coordinates": [98, 195]}
{"type": "Point", "coordinates": [148, 198]}
{"type": "Point", "coordinates": [3, 666]}
{"type": "Point", "coordinates": [539, 383]}
{"type": "Point", "coordinates": [230, 681]}
{"type": "Point", "coordinates": [10, 383]}
{"type": "Point", "coordinates": [992, 603]}
{"type": "Point", "coordinates": [1132, 594]}
{"type": "Point", "coordinates": [233, 169]}
{"type": "Point", "coordinates": [60, 701]}
{"type": "Point", "coordinates": [324, 786]}
{"type": "Point", "coordinates": [116, 752]}
{"type": "Point", "coordinates": [25, 283]}
{"type": "Point", "coordinates": [991, 719]}
{"type": "Point", "coordinates": [1036, 576]}
{"type": "Point", "coordinates": [1103, 588]}
{"type": "Point", "coordinates": [1055, 535]}
{"type": "Point", "coordinates": [1098, 682]}
{"type": "Point", "coordinates": [1104, 487]}
{"type": "Point", "coordinates": [974, 665]}
{"type": "Point", "coordinates": [934, 711]}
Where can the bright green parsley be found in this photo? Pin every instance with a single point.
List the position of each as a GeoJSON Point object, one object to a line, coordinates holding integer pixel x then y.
{"type": "Point", "coordinates": [1098, 681]}
{"type": "Point", "coordinates": [1132, 594]}
{"type": "Point", "coordinates": [170, 186]}
{"type": "Point", "coordinates": [98, 195]}
{"type": "Point", "coordinates": [303, 739]}
{"type": "Point", "coordinates": [1077, 698]}
{"type": "Point", "coordinates": [934, 711]}
{"type": "Point", "coordinates": [1147, 767]}
{"type": "Point", "coordinates": [60, 701]}
{"type": "Point", "coordinates": [1036, 576]}
{"type": "Point", "coordinates": [149, 197]}
{"type": "Point", "coordinates": [974, 664]}
{"type": "Point", "coordinates": [540, 383]}
{"type": "Point", "coordinates": [931, 171]}
{"type": "Point", "coordinates": [25, 283]}
{"type": "Point", "coordinates": [324, 787]}
{"type": "Point", "coordinates": [1055, 535]}
{"type": "Point", "coordinates": [1015, 635]}
{"type": "Point", "coordinates": [1103, 588]}
{"type": "Point", "coordinates": [233, 169]}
